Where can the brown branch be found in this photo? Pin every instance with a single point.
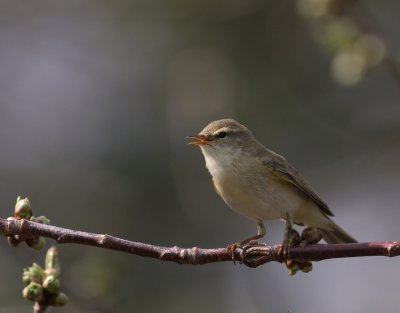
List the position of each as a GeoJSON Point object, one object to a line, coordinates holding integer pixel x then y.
{"type": "Point", "coordinates": [251, 255]}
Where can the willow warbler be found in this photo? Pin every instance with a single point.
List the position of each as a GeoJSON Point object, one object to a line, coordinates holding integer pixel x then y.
{"type": "Point", "coordinates": [259, 183]}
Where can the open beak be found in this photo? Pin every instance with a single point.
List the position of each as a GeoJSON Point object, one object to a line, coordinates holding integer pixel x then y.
{"type": "Point", "coordinates": [201, 140]}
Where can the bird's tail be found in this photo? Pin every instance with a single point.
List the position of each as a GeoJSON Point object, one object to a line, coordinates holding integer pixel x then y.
{"type": "Point", "coordinates": [336, 234]}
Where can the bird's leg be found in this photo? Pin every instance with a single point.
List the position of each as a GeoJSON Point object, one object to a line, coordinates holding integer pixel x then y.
{"type": "Point", "coordinates": [288, 235]}
{"type": "Point", "coordinates": [261, 231]}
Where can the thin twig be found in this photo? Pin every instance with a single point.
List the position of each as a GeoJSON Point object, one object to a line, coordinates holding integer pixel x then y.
{"type": "Point", "coordinates": [251, 255]}
{"type": "Point", "coordinates": [39, 308]}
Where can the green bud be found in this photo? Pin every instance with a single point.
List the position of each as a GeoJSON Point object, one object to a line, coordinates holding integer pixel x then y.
{"type": "Point", "coordinates": [51, 284]}
{"type": "Point", "coordinates": [59, 299]}
{"type": "Point", "coordinates": [33, 274]}
{"type": "Point", "coordinates": [307, 269]}
{"type": "Point", "coordinates": [52, 263]}
{"type": "Point", "coordinates": [39, 244]}
{"type": "Point", "coordinates": [26, 278]}
{"type": "Point", "coordinates": [292, 267]}
{"type": "Point", "coordinates": [41, 220]}
{"type": "Point", "coordinates": [305, 266]}
{"type": "Point", "coordinates": [33, 292]}
{"type": "Point", "coordinates": [36, 243]}
{"type": "Point", "coordinates": [293, 270]}
{"type": "Point", "coordinates": [23, 208]}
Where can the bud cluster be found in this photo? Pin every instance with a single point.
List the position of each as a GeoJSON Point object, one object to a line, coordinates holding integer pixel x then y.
{"type": "Point", "coordinates": [43, 285]}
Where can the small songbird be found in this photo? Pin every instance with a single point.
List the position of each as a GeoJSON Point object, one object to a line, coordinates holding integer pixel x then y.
{"type": "Point", "coordinates": [260, 184]}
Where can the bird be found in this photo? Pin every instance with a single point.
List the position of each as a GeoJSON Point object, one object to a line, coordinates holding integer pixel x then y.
{"type": "Point", "coordinates": [261, 184]}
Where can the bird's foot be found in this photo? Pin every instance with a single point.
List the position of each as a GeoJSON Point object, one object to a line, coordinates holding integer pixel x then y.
{"type": "Point", "coordinates": [309, 236]}
{"type": "Point", "coordinates": [249, 241]}
{"type": "Point", "coordinates": [232, 247]}
{"type": "Point", "coordinates": [292, 239]}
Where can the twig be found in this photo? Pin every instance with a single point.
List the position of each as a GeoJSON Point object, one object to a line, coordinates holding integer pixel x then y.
{"type": "Point", "coordinates": [251, 255]}
{"type": "Point", "coordinates": [39, 308]}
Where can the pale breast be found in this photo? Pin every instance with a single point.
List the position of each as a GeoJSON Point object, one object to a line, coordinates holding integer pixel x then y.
{"type": "Point", "coordinates": [256, 195]}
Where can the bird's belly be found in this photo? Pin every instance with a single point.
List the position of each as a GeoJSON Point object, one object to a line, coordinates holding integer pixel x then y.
{"type": "Point", "coordinates": [272, 200]}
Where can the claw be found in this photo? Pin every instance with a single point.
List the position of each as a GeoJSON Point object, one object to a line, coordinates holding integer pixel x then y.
{"type": "Point", "coordinates": [252, 240]}
{"type": "Point", "coordinates": [231, 248]}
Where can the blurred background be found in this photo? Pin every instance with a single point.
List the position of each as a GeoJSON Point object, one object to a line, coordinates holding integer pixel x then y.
{"type": "Point", "coordinates": [96, 98]}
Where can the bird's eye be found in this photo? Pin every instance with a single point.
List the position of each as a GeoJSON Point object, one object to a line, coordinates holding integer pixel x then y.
{"type": "Point", "coordinates": [222, 135]}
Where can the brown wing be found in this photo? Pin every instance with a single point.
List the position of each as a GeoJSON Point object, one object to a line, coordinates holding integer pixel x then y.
{"type": "Point", "coordinates": [284, 171]}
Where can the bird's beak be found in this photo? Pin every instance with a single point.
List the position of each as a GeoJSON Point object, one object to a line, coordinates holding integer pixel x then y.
{"type": "Point", "coordinates": [201, 140]}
